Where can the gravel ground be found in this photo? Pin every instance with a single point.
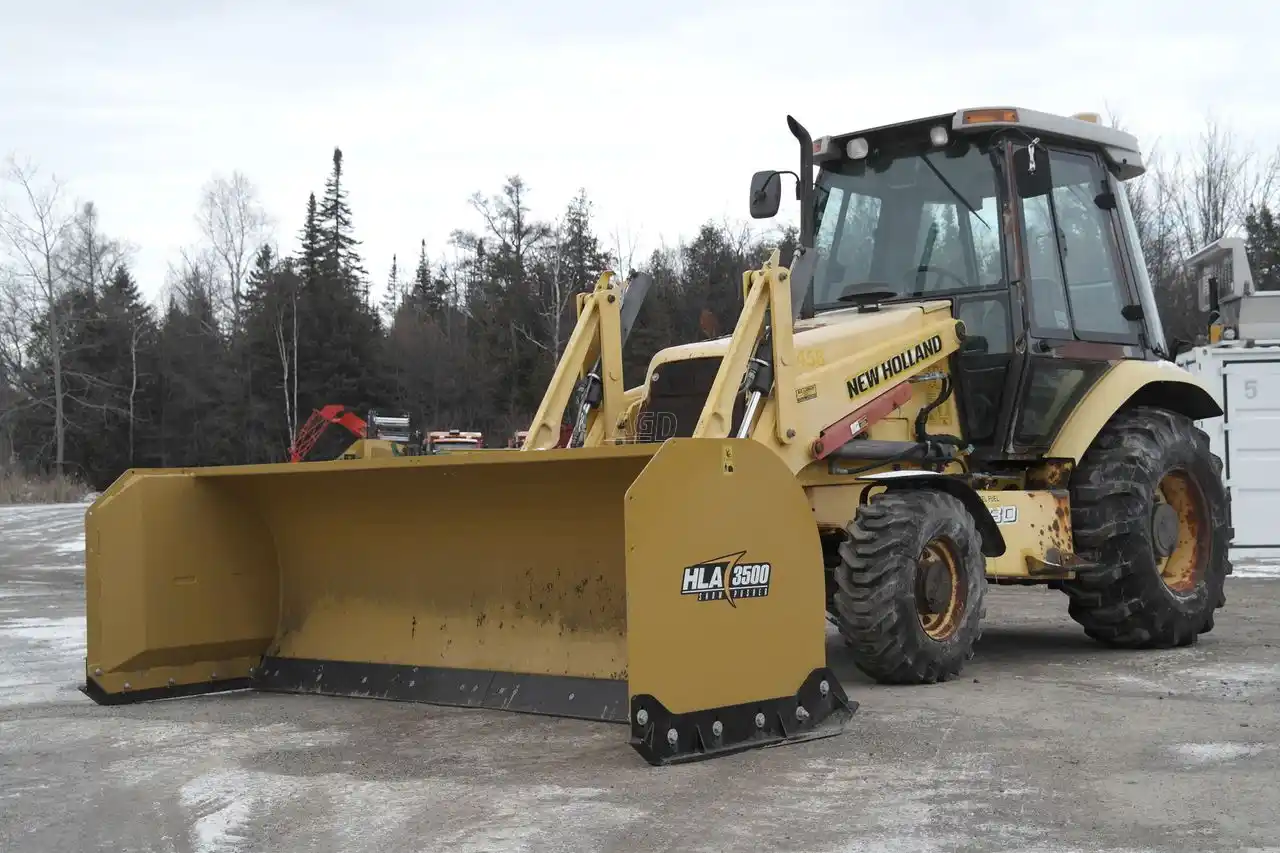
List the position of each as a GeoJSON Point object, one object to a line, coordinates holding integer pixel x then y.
{"type": "Point", "coordinates": [1047, 743]}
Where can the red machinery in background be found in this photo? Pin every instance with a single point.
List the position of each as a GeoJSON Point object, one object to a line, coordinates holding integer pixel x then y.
{"type": "Point", "coordinates": [398, 429]}
{"type": "Point", "coordinates": [319, 422]}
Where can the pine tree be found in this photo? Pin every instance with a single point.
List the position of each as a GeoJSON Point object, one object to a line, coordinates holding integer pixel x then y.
{"type": "Point", "coordinates": [422, 275]}
{"type": "Point", "coordinates": [274, 296]}
{"type": "Point", "coordinates": [130, 370]}
{"type": "Point", "coordinates": [311, 256]}
{"type": "Point", "coordinates": [197, 377]}
{"type": "Point", "coordinates": [264, 267]}
{"type": "Point", "coordinates": [1262, 245]}
{"type": "Point", "coordinates": [341, 259]}
{"type": "Point", "coordinates": [395, 292]}
{"type": "Point", "coordinates": [337, 341]}
{"type": "Point", "coordinates": [430, 292]}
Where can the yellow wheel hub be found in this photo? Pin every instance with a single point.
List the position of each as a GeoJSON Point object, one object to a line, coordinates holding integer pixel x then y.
{"type": "Point", "coordinates": [940, 590]}
{"type": "Point", "coordinates": [1180, 532]}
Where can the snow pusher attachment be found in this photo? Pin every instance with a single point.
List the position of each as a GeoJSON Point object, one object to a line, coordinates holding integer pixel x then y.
{"type": "Point", "coordinates": [668, 586]}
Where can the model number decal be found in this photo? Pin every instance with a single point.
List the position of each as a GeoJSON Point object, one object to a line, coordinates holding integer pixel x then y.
{"type": "Point", "coordinates": [726, 578]}
{"type": "Point", "coordinates": [1004, 514]}
{"type": "Point", "coordinates": [891, 367]}
{"type": "Point", "coordinates": [811, 357]}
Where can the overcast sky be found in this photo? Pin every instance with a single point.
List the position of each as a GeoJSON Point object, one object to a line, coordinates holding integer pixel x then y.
{"type": "Point", "coordinates": [659, 109]}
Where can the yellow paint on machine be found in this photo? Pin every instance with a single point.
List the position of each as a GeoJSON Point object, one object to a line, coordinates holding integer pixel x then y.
{"type": "Point", "coordinates": [1036, 526]}
{"type": "Point", "coordinates": [1119, 385]}
{"type": "Point", "coordinates": [554, 562]}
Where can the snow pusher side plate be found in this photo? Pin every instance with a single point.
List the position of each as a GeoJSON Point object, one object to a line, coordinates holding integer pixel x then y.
{"type": "Point", "coordinates": [548, 582]}
{"type": "Point", "coordinates": [726, 615]}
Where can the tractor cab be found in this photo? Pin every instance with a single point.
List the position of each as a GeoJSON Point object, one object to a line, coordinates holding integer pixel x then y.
{"type": "Point", "coordinates": [1019, 221]}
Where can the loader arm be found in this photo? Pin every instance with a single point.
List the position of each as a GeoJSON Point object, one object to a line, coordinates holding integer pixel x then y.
{"type": "Point", "coordinates": [761, 352]}
{"type": "Point", "coordinates": [594, 354]}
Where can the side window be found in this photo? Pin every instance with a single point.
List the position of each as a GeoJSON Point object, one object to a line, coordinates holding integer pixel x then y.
{"type": "Point", "coordinates": [1048, 296]}
{"type": "Point", "coordinates": [1094, 284]}
{"type": "Point", "coordinates": [987, 320]}
{"type": "Point", "coordinates": [983, 362]}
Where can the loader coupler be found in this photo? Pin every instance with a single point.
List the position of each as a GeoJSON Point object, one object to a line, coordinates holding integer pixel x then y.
{"type": "Point", "coordinates": [674, 587]}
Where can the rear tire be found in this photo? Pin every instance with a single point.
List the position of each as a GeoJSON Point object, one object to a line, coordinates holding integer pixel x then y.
{"type": "Point", "coordinates": [1162, 569]}
{"type": "Point", "coordinates": [910, 586]}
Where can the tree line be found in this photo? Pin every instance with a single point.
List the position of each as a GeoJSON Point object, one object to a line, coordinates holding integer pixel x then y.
{"type": "Point", "coordinates": [248, 339]}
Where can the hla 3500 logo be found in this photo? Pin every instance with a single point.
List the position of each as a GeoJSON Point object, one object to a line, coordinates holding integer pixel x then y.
{"type": "Point", "coordinates": [726, 578]}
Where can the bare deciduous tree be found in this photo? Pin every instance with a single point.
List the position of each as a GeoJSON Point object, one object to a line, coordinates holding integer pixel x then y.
{"type": "Point", "coordinates": [35, 226]}
{"type": "Point", "coordinates": [555, 299]}
{"type": "Point", "coordinates": [91, 257]}
{"type": "Point", "coordinates": [1220, 182]}
{"type": "Point", "coordinates": [284, 326]}
{"type": "Point", "coordinates": [1182, 205]}
{"type": "Point", "coordinates": [625, 246]}
{"type": "Point", "coordinates": [235, 226]}
{"type": "Point", "coordinates": [136, 332]}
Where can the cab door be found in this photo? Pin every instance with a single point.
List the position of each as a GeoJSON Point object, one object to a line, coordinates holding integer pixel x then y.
{"type": "Point", "coordinates": [1077, 293]}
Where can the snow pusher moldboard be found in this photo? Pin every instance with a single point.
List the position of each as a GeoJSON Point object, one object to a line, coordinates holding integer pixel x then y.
{"type": "Point", "coordinates": [667, 585]}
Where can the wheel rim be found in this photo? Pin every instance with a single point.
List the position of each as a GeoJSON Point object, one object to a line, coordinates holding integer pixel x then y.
{"type": "Point", "coordinates": [940, 590]}
{"type": "Point", "coordinates": [1182, 565]}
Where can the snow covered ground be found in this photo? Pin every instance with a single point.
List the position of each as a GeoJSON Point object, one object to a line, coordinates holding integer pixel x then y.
{"type": "Point", "coordinates": [42, 640]}
{"type": "Point", "coordinates": [1256, 567]}
{"type": "Point", "coordinates": [1047, 744]}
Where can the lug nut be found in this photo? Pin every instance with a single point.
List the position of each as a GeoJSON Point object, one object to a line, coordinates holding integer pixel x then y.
{"type": "Point", "coordinates": [126, 685]}
{"type": "Point", "coordinates": [759, 721]}
{"type": "Point", "coordinates": [824, 688]}
{"type": "Point", "coordinates": [642, 717]}
{"type": "Point", "coordinates": [672, 737]}
{"type": "Point", "coordinates": [717, 728]}
{"type": "Point", "coordinates": [802, 714]}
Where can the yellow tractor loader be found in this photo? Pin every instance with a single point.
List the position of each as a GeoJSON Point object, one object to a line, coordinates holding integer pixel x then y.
{"type": "Point", "coordinates": [959, 377]}
{"type": "Point", "coordinates": [965, 371]}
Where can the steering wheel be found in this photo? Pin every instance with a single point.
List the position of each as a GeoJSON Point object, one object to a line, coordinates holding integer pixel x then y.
{"type": "Point", "coordinates": [940, 271]}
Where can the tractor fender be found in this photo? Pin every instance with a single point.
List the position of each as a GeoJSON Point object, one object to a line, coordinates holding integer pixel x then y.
{"type": "Point", "coordinates": [1161, 384]}
{"type": "Point", "coordinates": [992, 539]}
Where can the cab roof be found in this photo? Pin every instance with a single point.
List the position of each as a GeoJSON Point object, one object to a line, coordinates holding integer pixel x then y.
{"type": "Point", "coordinates": [1119, 147]}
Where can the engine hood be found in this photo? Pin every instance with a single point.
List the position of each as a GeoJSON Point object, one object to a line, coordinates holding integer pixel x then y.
{"type": "Point", "coordinates": [843, 328]}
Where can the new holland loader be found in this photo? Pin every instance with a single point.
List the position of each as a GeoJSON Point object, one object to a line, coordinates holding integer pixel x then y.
{"type": "Point", "coordinates": [960, 377]}
{"type": "Point", "coordinates": [964, 369]}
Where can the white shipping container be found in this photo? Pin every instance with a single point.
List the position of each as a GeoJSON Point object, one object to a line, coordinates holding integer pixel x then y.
{"type": "Point", "coordinates": [1245, 380]}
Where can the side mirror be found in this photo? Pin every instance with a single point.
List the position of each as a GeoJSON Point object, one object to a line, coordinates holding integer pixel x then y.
{"type": "Point", "coordinates": [1031, 171]}
{"type": "Point", "coordinates": [766, 194]}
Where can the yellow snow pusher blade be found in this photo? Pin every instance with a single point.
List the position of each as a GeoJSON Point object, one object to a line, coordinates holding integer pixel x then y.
{"type": "Point", "coordinates": [676, 587]}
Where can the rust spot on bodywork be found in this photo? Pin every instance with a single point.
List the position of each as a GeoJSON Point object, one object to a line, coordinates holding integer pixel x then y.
{"type": "Point", "coordinates": [1050, 474]}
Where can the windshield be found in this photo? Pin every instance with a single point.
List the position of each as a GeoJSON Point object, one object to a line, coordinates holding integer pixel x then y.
{"type": "Point", "coordinates": [908, 226]}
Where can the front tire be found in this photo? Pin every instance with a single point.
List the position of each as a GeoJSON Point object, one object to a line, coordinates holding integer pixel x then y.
{"type": "Point", "coordinates": [911, 580]}
{"type": "Point", "coordinates": [1149, 507]}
